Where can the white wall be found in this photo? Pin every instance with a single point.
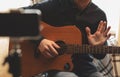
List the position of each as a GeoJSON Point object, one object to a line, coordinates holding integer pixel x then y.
{"type": "Point", "coordinates": [10, 4]}
{"type": "Point", "coordinates": [112, 10]}
{"type": "Point", "coordinates": [119, 33]}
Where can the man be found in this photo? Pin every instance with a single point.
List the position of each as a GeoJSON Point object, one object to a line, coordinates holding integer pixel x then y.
{"type": "Point", "coordinates": [81, 13]}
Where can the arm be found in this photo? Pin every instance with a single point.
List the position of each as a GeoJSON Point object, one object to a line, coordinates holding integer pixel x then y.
{"type": "Point", "coordinates": [99, 37]}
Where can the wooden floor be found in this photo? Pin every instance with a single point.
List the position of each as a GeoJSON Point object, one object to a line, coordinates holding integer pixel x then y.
{"type": "Point", "coordinates": [4, 46]}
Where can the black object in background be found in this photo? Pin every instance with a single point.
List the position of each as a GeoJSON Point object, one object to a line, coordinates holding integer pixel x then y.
{"type": "Point", "coordinates": [17, 24]}
{"type": "Point", "coordinates": [14, 62]}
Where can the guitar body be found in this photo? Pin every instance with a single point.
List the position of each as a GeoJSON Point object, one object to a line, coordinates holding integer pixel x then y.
{"type": "Point", "coordinates": [32, 65]}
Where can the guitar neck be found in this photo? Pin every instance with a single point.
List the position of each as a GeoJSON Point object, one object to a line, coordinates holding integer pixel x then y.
{"type": "Point", "coordinates": [72, 35]}
{"type": "Point", "coordinates": [71, 49]}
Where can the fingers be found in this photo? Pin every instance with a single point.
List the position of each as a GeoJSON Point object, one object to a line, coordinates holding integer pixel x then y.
{"type": "Point", "coordinates": [102, 26]}
{"type": "Point", "coordinates": [108, 36]}
{"type": "Point", "coordinates": [48, 48]}
{"type": "Point", "coordinates": [52, 49]}
{"type": "Point", "coordinates": [88, 31]}
{"type": "Point", "coordinates": [46, 53]}
{"type": "Point", "coordinates": [107, 30]}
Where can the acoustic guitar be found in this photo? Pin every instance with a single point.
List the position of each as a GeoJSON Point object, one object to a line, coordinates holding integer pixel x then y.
{"type": "Point", "coordinates": [69, 38]}
{"type": "Point", "coordinates": [32, 65]}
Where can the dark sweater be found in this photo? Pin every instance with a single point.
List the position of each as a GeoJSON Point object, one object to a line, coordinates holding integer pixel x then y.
{"type": "Point", "coordinates": [65, 12]}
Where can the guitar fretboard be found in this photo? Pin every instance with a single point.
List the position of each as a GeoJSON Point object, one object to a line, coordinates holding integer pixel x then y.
{"type": "Point", "coordinates": [71, 49]}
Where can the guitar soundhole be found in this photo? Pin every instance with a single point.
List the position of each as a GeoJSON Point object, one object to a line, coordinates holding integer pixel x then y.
{"type": "Point", "coordinates": [63, 47]}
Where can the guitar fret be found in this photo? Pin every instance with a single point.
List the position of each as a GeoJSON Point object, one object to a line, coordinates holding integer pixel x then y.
{"type": "Point", "coordinates": [78, 48]}
{"type": "Point", "coordinates": [111, 50]}
{"type": "Point", "coordinates": [104, 49]}
{"type": "Point", "coordinates": [118, 50]}
{"type": "Point", "coordinates": [75, 48]}
{"type": "Point", "coordinates": [115, 50]}
{"type": "Point", "coordinates": [81, 49]}
{"type": "Point", "coordinates": [95, 50]}
{"type": "Point", "coordinates": [87, 49]}
{"type": "Point", "coordinates": [101, 49]}
{"type": "Point", "coordinates": [108, 50]}
{"type": "Point", "coordinates": [92, 49]}
{"type": "Point", "coordinates": [84, 49]}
